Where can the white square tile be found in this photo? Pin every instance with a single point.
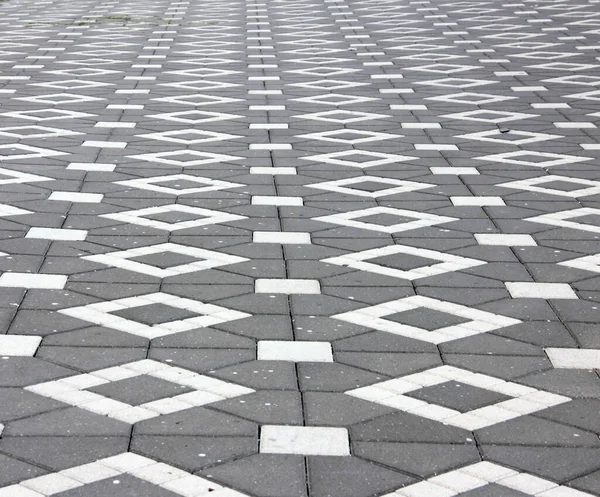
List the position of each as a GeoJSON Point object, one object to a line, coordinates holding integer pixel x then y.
{"type": "Point", "coordinates": [304, 440]}
{"type": "Point", "coordinates": [572, 358]}
{"type": "Point", "coordinates": [505, 240]}
{"type": "Point", "coordinates": [291, 171]}
{"type": "Point", "coordinates": [278, 201]}
{"type": "Point", "coordinates": [529, 290]}
{"type": "Point", "coordinates": [279, 350]}
{"type": "Point", "coordinates": [76, 197]}
{"type": "Point", "coordinates": [477, 201]}
{"type": "Point", "coordinates": [56, 234]}
{"type": "Point", "coordinates": [284, 238]}
{"type": "Point", "coordinates": [104, 144]}
{"type": "Point", "coordinates": [287, 286]}
{"type": "Point", "coordinates": [28, 280]}
{"type": "Point", "coordinates": [19, 345]}
{"type": "Point", "coordinates": [84, 166]}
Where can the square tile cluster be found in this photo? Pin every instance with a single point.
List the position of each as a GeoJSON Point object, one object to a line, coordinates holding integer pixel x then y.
{"type": "Point", "coordinates": [454, 320]}
{"type": "Point", "coordinates": [79, 391]}
{"type": "Point", "coordinates": [478, 476]}
{"type": "Point", "coordinates": [165, 253]}
{"type": "Point", "coordinates": [163, 476]}
{"type": "Point", "coordinates": [523, 400]}
{"type": "Point", "coordinates": [171, 314]}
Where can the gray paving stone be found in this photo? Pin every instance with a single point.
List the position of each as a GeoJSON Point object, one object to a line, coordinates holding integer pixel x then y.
{"type": "Point", "coordinates": [198, 421]}
{"type": "Point", "coordinates": [265, 407]}
{"type": "Point", "coordinates": [268, 475]}
{"type": "Point", "coordinates": [339, 476]}
{"type": "Point", "coordinates": [336, 409]}
{"type": "Point", "coordinates": [58, 453]}
{"type": "Point", "coordinates": [193, 453]}
{"type": "Point", "coordinates": [18, 403]}
{"type": "Point", "coordinates": [128, 486]}
{"type": "Point", "coordinates": [14, 471]}
{"type": "Point", "coordinates": [557, 464]}
{"type": "Point", "coordinates": [587, 483]}
{"type": "Point", "coordinates": [421, 459]}
{"type": "Point", "coordinates": [401, 427]}
{"type": "Point", "coordinates": [67, 422]}
{"type": "Point", "coordinates": [530, 430]}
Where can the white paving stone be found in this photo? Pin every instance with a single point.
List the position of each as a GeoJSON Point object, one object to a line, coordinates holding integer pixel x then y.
{"type": "Point", "coordinates": [527, 290]}
{"type": "Point", "coordinates": [287, 286]}
{"type": "Point", "coordinates": [282, 237]}
{"type": "Point", "coordinates": [19, 345]}
{"type": "Point", "coordinates": [304, 440]}
{"type": "Point", "coordinates": [574, 358]}
{"type": "Point", "coordinates": [279, 350]}
{"type": "Point", "coordinates": [28, 280]}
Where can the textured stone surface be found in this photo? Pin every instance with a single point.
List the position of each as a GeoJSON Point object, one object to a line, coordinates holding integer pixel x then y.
{"type": "Point", "coordinates": [299, 249]}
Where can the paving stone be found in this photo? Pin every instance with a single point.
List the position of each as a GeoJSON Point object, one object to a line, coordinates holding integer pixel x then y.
{"type": "Point", "coordinates": [265, 407]}
{"type": "Point", "coordinates": [302, 139]}
{"type": "Point", "coordinates": [267, 475]}
{"type": "Point", "coordinates": [360, 477]}
{"type": "Point", "coordinates": [554, 463]}
{"type": "Point", "coordinates": [15, 471]}
{"type": "Point", "coordinates": [530, 430]}
{"type": "Point", "coordinates": [197, 421]}
{"type": "Point", "coordinates": [194, 453]}
{"type": "Point", "coordinates": [58, 453]}
{"type": "Point", "coordinates": [67, 422]}
{"type": "Point", "coordinates": [421, 459]}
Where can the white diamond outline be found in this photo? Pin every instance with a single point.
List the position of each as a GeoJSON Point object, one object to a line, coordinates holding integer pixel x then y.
{"type": "Point", "coordinates": [135, 217]}
{"type": "Point", "coordinates": [587, 263]}
{"type": "Point", "coordinates": [533, 137]}
{"type": "Point", "coordinates": [35, 152]}
{"type": "Point", "coordinates": [73, 390]}
{"type": "Point", "coordinates": [126, 463]}
{"type": "Point", "coordinates": [369, 136]}
{"type": "Point", "coordinates": [530, 184]}
{"type": "Point", "coordinates": [561, 219]}
{"type": "Point", "coordinates": [558, 159]}
{"type": "Point", "coordinates": [422, 219]}
{"type": "Point", "coordinates": [99, 313]}
{"type": "Point", "coordinates": [211, 116]}
{"type": "Point", "coordinates": [360, 116]}
{"type": "Point", "coordinates": [524, 399]}
{"type": "Point", "coordinates": [401, 186]}
{"type": "Point", "coordinates": [171, 136]}
{"type": "Point", "coordinates": [51, 132]}
{"type": "Point", "coordinates": [479, 474]}
{"type": "Point", "coordinates": [447, 262]}
{"type": "Point", "coordinates": [333, 158]}
{"type": "Point", "coordinates": [373, 317]}
{"type": "Point", "coordinates": [162, 157]}
{"type": "Point", "coordinates": [210, 185]}
{"type": "Point", "coordinates": [19, 177]}
{"type": "Point", "coordinates": [120, 259]}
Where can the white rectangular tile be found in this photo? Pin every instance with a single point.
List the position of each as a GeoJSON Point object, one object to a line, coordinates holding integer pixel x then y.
{"type": "Point", "coordinates": [287, 286]}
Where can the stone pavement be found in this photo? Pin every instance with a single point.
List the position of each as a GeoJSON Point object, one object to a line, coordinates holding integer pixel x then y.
{"type": "Point", "coordinates": [299, 248]}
